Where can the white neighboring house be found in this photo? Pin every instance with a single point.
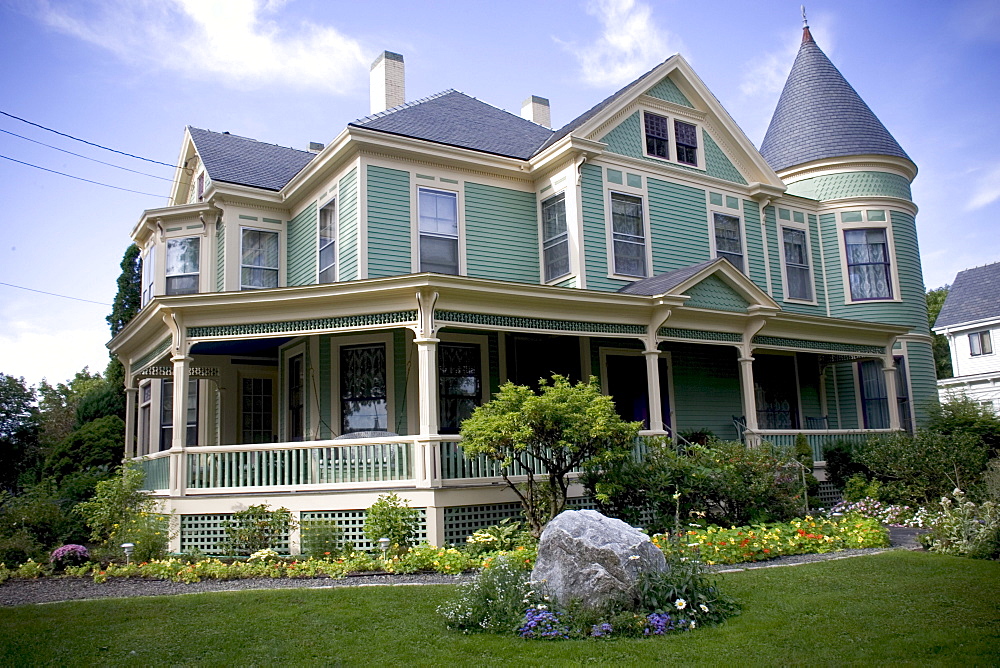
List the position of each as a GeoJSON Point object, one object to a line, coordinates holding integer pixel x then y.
{"type": "Point", "coordinates": [970, 318]}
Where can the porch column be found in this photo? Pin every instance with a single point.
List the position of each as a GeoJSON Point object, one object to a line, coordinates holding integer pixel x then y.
{"type": "Point", "coordinates": [653, 390]}
{"type": "Point", "coordinates": [427, 385]}
{"type": "Point", "coordinates": [892, 399]}
{"type": "Point", "coordinates": [747, 387]}
{"type": "Point", "coordinates": [131, 396]}
{"type": "Point", "coordinates": [178, 456]}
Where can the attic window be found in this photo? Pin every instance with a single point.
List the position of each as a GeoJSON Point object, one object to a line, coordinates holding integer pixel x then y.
{"type": "Point", "coordinates": [657, 136]}
{"type": "Point", "coordinates": [686, 139]}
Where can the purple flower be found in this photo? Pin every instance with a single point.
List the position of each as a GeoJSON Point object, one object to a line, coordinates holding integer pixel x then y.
{"type": "Point", "coordinates": [69, 555]}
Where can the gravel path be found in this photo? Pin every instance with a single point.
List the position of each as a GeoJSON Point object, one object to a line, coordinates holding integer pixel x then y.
{"type": "Point", "coordinates": [50, 590]}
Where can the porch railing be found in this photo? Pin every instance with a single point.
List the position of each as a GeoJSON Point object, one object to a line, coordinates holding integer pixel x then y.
{"type": "Point", "coordinates": [156, 469]}
{"type": "Point", "coordinates": [818, 439]}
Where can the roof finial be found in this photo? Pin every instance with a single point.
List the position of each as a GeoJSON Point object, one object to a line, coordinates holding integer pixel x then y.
{"type": "Point", "coordinates": [805, 21]}
{"type": "Point", "coordinates": [806, 35]}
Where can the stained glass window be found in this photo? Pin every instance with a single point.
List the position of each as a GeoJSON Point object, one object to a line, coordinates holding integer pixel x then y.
{"type": "Point", "coordinates": [363, 405]}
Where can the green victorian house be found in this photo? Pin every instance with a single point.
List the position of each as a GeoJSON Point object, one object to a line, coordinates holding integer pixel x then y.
{"type": "Point", "coordinates": [316, 324]}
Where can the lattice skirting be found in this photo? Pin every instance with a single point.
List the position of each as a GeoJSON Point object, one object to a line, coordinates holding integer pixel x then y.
{"type": "Point", "coordinates": [204, 533]}
{"type": "Point", "coordinates": [460, 522]}
{"type": "Point", "coordinates": [352, 525]}
{"type": "Point", "coordinates": [828, 495]}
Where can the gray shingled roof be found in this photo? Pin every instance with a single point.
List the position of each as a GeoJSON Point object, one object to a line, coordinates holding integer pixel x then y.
{"type": "Point", "coordinates": [819, 115]}
{"type": "Point", "coordinates": [247, 162]}
{"type": "Point", "coordinates": [661, 284]}
{"type": "Point", "coordinates": [975, 295]}
{"type": "Point", "coordinates": [455, 119]}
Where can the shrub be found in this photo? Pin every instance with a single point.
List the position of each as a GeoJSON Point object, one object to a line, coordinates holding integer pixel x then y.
{"type": "Point", "coordinates": [506, 536]}
{"type": "Point", "coordinates": [391, 517]}
{"type": "Point", "coordinates": [964, 528]}
{"type": "Point", "coordinates": [841, 464]}
{"type": "Point", "coordinates": [257, 528]}
{"type": "Point", "coordinates": [494, 602]}
{"type": "Point", "coordinates": [69, 556]}
{"type": "Point", "coordinates": [322, 538]}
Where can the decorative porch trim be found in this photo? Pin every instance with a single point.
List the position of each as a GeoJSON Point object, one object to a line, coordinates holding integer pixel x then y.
{"type": "Point", "coordinates": [818, 345]}
{"type": "Point", "coordinates": [309, 325]}
{"type": "Point", "coordinates": [152, 356]}
{"type": "Point", "coordinates": [539, 323]}
{"type": "Point", "coordinates": [699, 334]}
{"type": "Point", "coordinates": [195, 372]}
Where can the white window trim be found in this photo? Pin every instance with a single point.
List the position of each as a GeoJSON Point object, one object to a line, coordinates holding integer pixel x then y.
{"type": "Point", "coordinates": [541, 199]}
{"type": "Point", "coordinates": [148, 277]}
{"type": "Point", "coordinates": [979, 333]}
{"type": "Point", "coordinates": [336, 343]}
{"type": "Point", "coordinates": [308, 426]}
{"type": "Point", "coordinates": [632, 352]}
{"type": "Point", "coordinates": [609, 230]}
{"type": "Point", "coordinates": [672, 133]}
{"type": "Point", "coordinates": [804, 227]}
{"type": "Point", "coordinates": [890, 242]}
{"type": "Point", "coordinates": [735, 213]}
{"type": "Point", "coordinates": [336, 239]}
{"type": "Point", "coordinates": [415, 226]}
{"type": "Point", "coordinates": [239, 264]}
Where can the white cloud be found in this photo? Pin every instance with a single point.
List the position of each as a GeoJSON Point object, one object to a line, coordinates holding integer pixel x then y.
{"type": "Point", "coordinates": [630, 43]}
{"type": "Point", "coordinates": [231, 41]}
{"type": "Point", "coordinates": [35, 352]}
{"type": "Point", "coordinates": [986, 189]}
{"type": "Point", "coordinates": [766, 74]}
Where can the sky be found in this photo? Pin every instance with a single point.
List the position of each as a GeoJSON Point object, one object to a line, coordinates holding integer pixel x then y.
{"type": "Point", "coordinates": [131, 74]}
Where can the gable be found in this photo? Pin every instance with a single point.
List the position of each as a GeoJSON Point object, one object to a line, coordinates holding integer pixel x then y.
{"type": "Point", "coordinates": [714, 293]}
{"type": "Point", "coordinates": [626, 139]}
{"type": "Point", "coordinates": [668, 90]}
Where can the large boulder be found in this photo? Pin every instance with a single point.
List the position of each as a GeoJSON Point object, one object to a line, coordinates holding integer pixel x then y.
{"type": "Point", "coordinates": [594, 559]}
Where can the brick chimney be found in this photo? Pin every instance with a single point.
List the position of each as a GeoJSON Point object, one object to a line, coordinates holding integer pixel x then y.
{"type": "Point", "coordinates": [387, 82]}
{"type": "Point", "coordinates": [536, 110]}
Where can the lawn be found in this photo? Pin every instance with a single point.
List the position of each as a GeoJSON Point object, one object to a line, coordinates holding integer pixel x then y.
{"type": "Point", "coordinates": [891, 608]}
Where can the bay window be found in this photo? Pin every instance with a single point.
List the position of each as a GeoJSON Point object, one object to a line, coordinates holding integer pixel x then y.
{"type": "Point", "coordinates": [182, 265]}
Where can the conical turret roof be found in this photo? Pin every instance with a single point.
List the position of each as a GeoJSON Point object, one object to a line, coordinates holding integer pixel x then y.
{"type": "Point", "coordinates": [819, 115]}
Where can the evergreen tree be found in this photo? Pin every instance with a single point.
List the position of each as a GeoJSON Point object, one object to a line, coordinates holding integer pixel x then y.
{"type": "Point", "coordinates": [128, 301]}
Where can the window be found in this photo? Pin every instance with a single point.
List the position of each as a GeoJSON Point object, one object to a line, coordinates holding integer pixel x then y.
{"type": "Point", "coordinates": [657, 136]}
{"type": "Point", "coordinates": [259, 260]}
{"type": "Point", "coordinates": [328, 243]}
{"type": "Point", "coordinates": [555, 239]}
{"type": "Point", "coordinates": [257, 417]}
{"type": "Point", "coordinates": [874, 401]}
{"type": "Point", "coordinates": [686, 139]}
{"type": "Point", "coordinates": [628, 235]}
{"type": "Point", "coordinates": [363, 394]}
{"type": "Point", "coordinates": [148, 274]}
{"type": "Point", "coordinates": [438, 213]}
{"type": "Point", "coordinates": [201, 186]}
{"type": "Point", "coordinates": [868, 264]}
{"type": "Point", "coordinates": [182, 265]}
{"type": "Point", "coordinates": [296, 398]}
{"type": "Point", "coordinates": [459, 382]}
{"type": "Point", "coordinates": [798, 284]}
{"type": "Point", "coordinates": [728, 239]}
{"type": "Point", "coordinates": [145, 411]}
{"type": "Point", "coordinates": [167, 414]}
{"type": "Point", "coordinates": [980, 343]}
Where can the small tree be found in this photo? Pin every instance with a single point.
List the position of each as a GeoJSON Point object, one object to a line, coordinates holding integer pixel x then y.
{"type": "Point", "coordinates": [544, 437]}
{"type": "Point", "coordinates": [257, 528]}
{"type": "Point", "coordinates": [391, 517]}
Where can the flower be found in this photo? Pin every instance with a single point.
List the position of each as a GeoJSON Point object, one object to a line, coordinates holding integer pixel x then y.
{"type": "Point", "coordinates": [633, 557]}
{"type": "Point", "coordinates": [693, 624]}
{"type": "Point", "coordinates": [680, 603]}
{"type": "Point", "coordinates": [704, 608]}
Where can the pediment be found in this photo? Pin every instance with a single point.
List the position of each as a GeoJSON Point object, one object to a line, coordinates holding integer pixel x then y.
{"type": "Point", "coordinates": [715, 285]}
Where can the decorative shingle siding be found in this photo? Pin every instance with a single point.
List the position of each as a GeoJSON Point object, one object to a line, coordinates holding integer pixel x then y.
{"type": "Point", "coordinates": [852, 184]}
{"type": "Point", "coordinates": [501, 233]}
{"type": "Point", "coordinates": [754, 244]}
{"type": "Point", "coordinates": [347, 227]}
{"type": "Point", "coordinates": [389, 222]}
{"type": "Point", "coordinates": [713, 293]}
{"type": "Point", "coordinates": [301, 247]}
{"type": "Point", "coordinates": [220, 257]}
{"type": "Point", "coordinates": [626, 139]}
{"type": "Point", "coordinates": [667, 90]}
{"type": "Point", "coordinates": [678, 219]}
{"type": "Point", "coordinates": [595, 229]}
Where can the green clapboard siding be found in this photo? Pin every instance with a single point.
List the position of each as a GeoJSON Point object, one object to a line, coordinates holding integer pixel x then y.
{"type": "Point", "coordinates": [594, 230]}
{"type": "Point", "coordinates": [755, 244]}
{"type": "Point", "coordinates": [399, 379]}
{"type": "Point", "coordinates": [923, 383]}
{"type": "Point", "coordinates": [501, 234]}
{"type": "Point", "coordinates": [626, 138]}
{"type": "Point", "coordinates": [842, 397]}
{"type": "Point", "coordinates": [714, 293]}
{"type": "Point", "coordinates": [388, 222]}
{"type": "Point", "coordinates": [852, 184]}
{"type": "Point", "coordinates": [302, 251]}
{"type": "Point", "coordinates": [706, 388]}
{"type": "Point", "coordinates": [667, 90]}
{"type": "Point", "coordinates": [678, 218]}
{"type": "Point", "coordinates": [347, 227]}
{"type": "Point", "coordinates": [220, 257]}
{"type": "Point", "coordinates": [808, 366]}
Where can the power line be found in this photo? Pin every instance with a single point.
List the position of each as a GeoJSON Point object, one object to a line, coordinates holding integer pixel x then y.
{"type": "Point", "coordinates": [85, 157]}
{"type": "Point", "coordinates": [79, 178]}
{"type": "Point", "coordinates": [53, 294]}
{"type": "Point", "coordinates": [63, 134]}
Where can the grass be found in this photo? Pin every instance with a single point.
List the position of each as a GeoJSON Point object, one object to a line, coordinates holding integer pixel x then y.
{"type": "Point", "coordinates": [891, 608]}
